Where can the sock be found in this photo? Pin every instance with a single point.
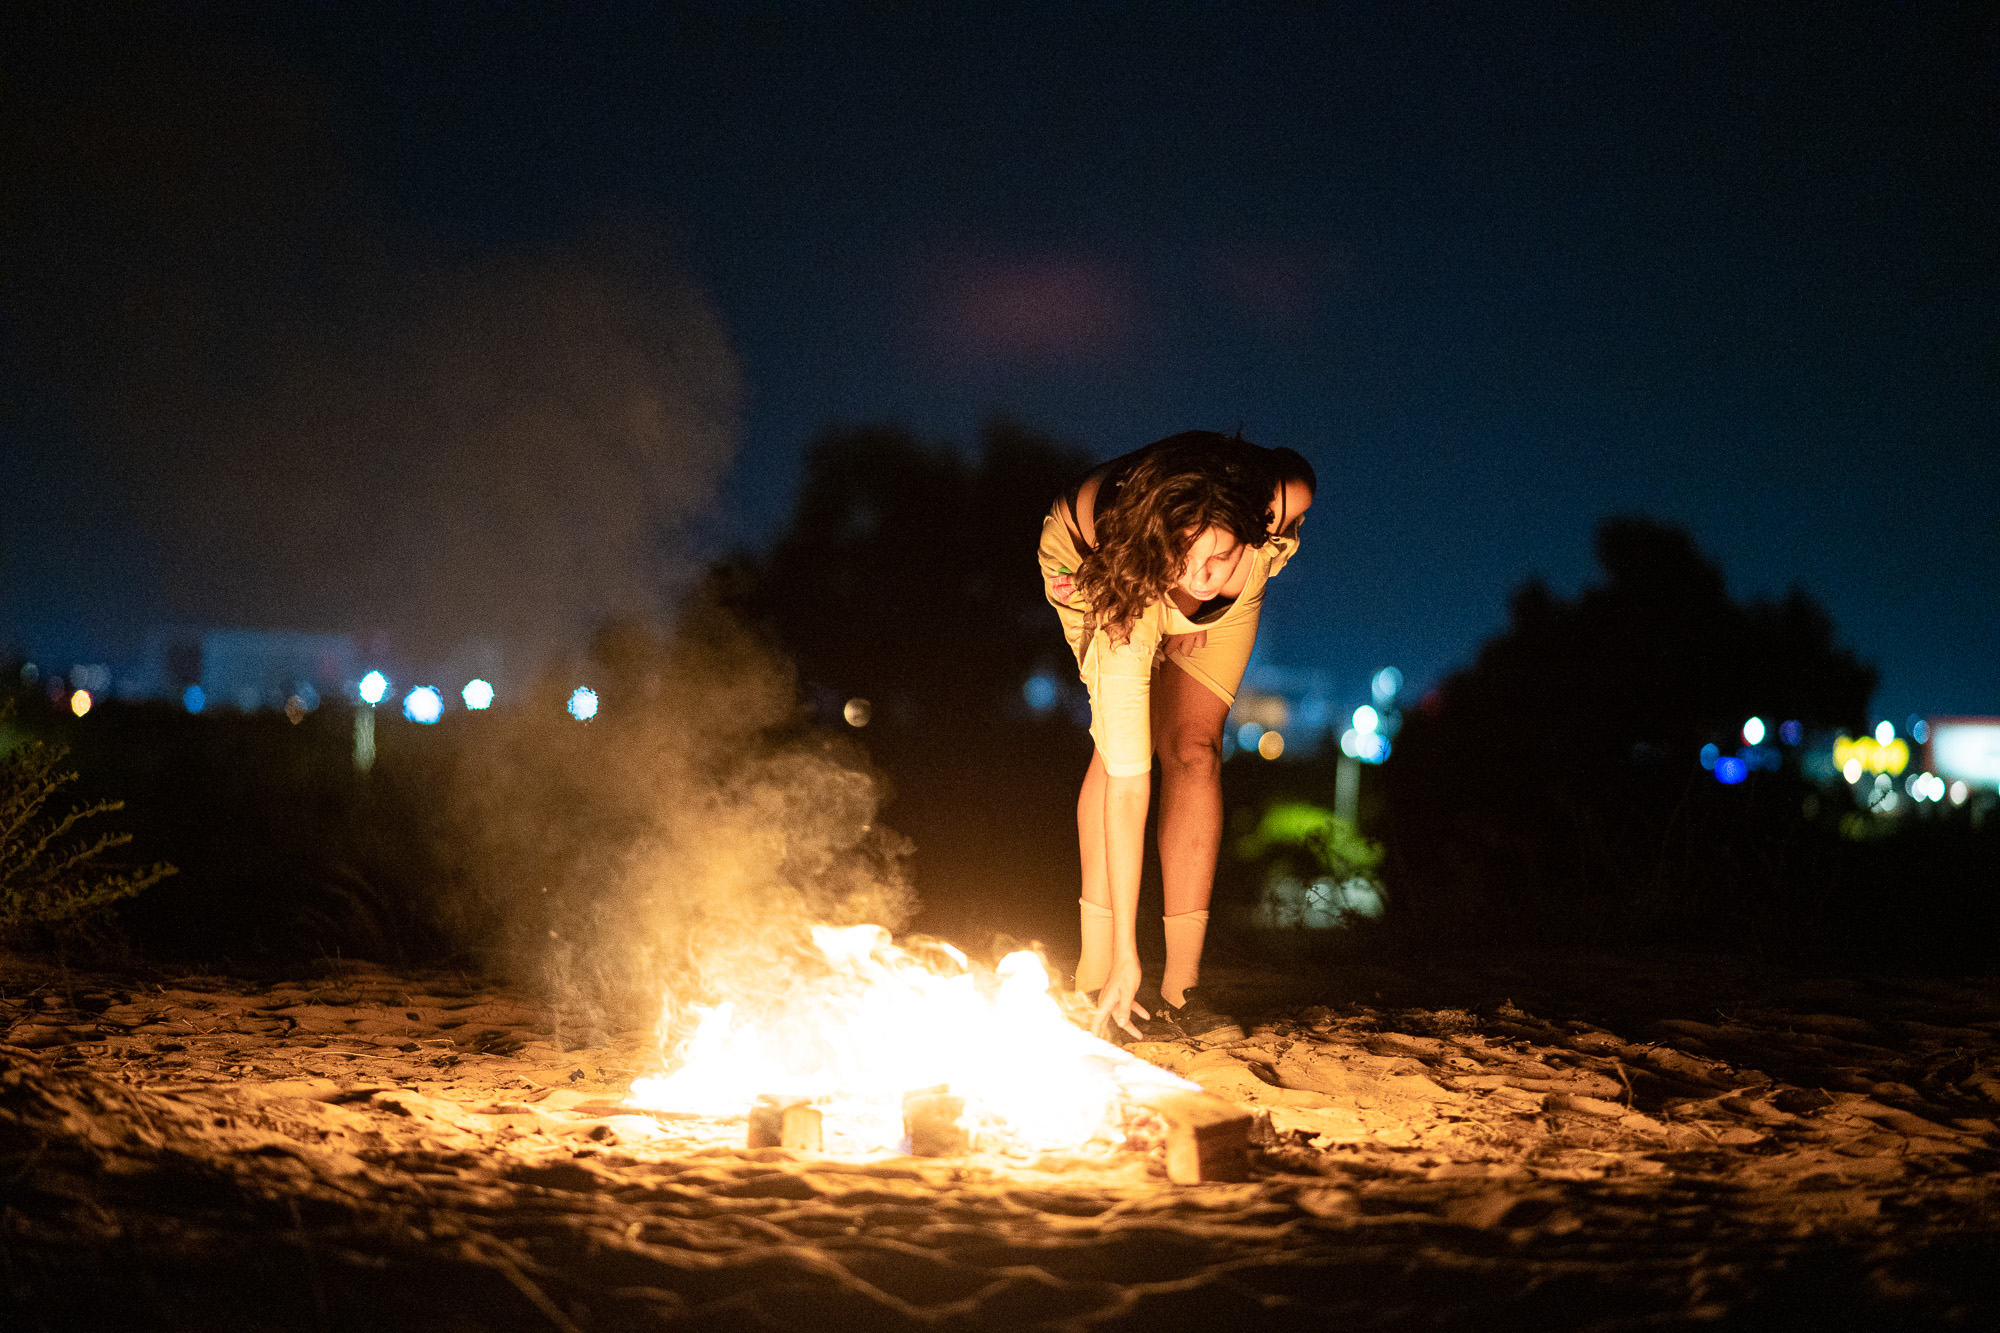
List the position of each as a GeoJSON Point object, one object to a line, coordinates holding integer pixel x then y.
{"type": "Point", "coordinates": [1093, 965]}
{"type": "Point", "coordinates": [1184, 935]}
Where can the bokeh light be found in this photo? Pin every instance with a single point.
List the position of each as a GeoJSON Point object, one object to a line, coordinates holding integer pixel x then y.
{"type": "Point", "coordinates": [80, 702]}
{"type": "Point", "coordinates": [1753, 731]}
{"type": "Point", "coordinates": [1920, 730]}
{"type": "Point", "coordinates": [194, 699]}
{"type": "Point", "coordinates": [583, 703]}
{"type": "Point", "coordinates": [1388, 681]}
{"type": "Point", "coordinates": [373, 687]}
{"type": "Point", "coordinates": [1885, 732]}
{"type": "Point", "coordinates": [1366, 720]}
{"type": "Point", "coordinates": [423, 705]}
{"type": "Point", "coordinates": [1851, 770]}
{"type": "Point", "coordinates": [478, 695]}
{"type": "Point", "coordinates": [1791, 733]}
{"type": "Point", "coordinates": [1959, 791]}
{"type": "Point", "coordinates": [1709, 754]}
{"type": "Point", "coordinates": [1729, 770]}
{"type": "Point", "coordinates": [858, 712]}
{"type": "Point", "coordinates": [1040, 692]}
{"type": "Point", "coordinates": [1271, 744]}
{"type": "Point", "coordinates": [1248, 735]}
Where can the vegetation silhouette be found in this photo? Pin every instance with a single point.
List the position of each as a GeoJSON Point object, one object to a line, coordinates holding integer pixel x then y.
{"type": "Point", "coordinates": [907, 574]}
{"type": "Point", "coordinates": [1550, 793]}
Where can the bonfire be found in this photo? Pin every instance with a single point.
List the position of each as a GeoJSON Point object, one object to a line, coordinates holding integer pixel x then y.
{"type": "Point", "coordinates": [875, 1047]}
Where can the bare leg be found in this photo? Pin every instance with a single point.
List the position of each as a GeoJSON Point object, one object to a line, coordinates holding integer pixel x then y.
{"type": "Point", "coordinates": [1094, 962]}
{"type": "Point", "coordinates": [1187, 722]}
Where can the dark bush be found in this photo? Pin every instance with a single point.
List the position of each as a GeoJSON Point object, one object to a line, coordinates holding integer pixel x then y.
{"type": "Point", "coordinates": [1551, 792]}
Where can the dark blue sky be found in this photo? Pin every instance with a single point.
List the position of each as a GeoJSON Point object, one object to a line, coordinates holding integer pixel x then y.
{"type": "Point", "coordinates": [1499, 271]}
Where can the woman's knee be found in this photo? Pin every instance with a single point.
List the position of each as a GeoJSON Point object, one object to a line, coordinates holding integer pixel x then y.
{"type": "Point", "coordinates": [1191, 750]}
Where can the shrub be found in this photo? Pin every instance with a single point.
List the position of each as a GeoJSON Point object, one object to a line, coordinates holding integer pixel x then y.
{"type": "Point", "coordinates": [51, 866]}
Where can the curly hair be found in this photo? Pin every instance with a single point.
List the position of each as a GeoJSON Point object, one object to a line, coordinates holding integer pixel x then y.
{"type": "Point", "coordinates": [1174, 489]}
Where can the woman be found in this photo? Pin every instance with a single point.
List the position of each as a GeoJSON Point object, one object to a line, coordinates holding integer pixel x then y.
{"type": "Point", "coordinates": [1156, 564]}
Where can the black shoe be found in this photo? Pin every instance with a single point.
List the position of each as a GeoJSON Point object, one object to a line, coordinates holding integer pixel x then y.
{"type": "Point", "coordinates": [1198, 1021]}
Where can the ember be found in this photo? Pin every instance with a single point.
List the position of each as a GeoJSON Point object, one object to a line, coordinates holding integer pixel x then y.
{"type": "Point", "coordinates": [898, 1049]}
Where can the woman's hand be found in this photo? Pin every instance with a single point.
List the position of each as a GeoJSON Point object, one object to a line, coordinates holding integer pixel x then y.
{"type": "Point", "coordinates": [1114, 999]}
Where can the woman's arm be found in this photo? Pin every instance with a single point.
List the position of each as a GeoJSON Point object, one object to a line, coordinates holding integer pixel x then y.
{"type": "Point", "coordinates": [1125, 803]}
{"type": "Point", "coordinates": [1288, 505]}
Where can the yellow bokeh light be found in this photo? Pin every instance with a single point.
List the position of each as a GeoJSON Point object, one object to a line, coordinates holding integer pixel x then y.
{"type": "Point", "coordinates": [1872, 755]}
{"type": "Point", "coordinates": [80, 702]}
{"type": "Point", "coordinates": [1271, 744]}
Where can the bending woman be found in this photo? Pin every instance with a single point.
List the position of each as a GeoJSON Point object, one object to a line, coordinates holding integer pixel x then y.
{"type": "Point", "coordinates": [1156, 563]}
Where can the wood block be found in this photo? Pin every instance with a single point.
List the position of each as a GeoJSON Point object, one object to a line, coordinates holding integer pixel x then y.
{"type": "Point", "coordinates": [785, 1122]}
{"type": "Point", "coordinates": [1208, 1139]}
{"type": "Point", "coordinates": [931, 1121]}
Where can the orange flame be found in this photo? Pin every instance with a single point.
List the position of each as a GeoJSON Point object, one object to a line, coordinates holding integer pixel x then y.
{"type": "Point", "coordinates": [878, 1021]}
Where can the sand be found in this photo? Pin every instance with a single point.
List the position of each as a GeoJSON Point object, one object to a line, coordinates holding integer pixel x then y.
{"type": "Point", "coordinates": [363, 1150]}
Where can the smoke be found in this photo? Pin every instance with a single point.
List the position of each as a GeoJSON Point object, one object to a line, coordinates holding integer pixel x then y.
{"type": "Point", "coordinates": [682, 842]}
{"type": "Point", "coordinates": [323, 415]}
{"type": "Point", "coordinates": [328, 417]}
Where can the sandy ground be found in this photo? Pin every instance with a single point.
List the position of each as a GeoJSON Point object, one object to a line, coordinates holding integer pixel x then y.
{"type": "Point", "coordinates": [1574, 1148]}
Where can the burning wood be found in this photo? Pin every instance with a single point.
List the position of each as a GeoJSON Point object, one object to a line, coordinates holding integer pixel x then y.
{"type": "Point", "coordinates": [785, 1122]}
{"type": "Point", "coordinates": [933, 1121]}
{"type": "Point", "coordinates": [1208, 1139]}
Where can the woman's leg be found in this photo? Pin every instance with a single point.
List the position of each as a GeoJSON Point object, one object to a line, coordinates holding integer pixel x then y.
{"type": "Point", "coordinates": [1093, 964]}
{"type": "Point", "coordinates": [1187, 726]}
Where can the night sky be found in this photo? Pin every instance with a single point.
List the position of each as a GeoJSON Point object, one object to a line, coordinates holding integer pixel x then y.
{"type": "Point", "coordinates": [1499, 271]}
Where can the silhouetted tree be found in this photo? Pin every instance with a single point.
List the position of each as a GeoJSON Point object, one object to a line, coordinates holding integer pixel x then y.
{"type": "Point", "coordinates": [908, 576]}
{"type": "Point", "coordinates": [1554, 785]}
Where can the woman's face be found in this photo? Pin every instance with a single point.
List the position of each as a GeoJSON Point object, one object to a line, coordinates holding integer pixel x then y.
{"type": "Point", "coordinates": [1210, 562]}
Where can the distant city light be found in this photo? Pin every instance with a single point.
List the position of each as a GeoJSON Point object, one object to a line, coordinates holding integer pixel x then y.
{"type": "Point", "coordinates": [1791, 733]}
{"type": "Point", "coordinates": [1366, 720]}
{"type": "Point", "coordinates": [1920, 730]}
{"type": "Point", "coordinates": [1271, 744]}
{"type": "Point", "coordinates": [194, 699]}
{"type": "Point", "coordinates": [1249, 734]}
{"type": "Point", "coordinates": [858, 712]}
{"type": "Point", "coordinates": [1924, 787]}
{"type": "Point", "coordinates": [79, 702]}
{"type": "Point", "coordinates": [478, 695]}
{"type": "Point", "coordinates": [1753, 731]}
{"type": "Point", "coordinates": [1885, 731]}
{"type": "Point", "coordinates": [1040, 692]}
{"type": "Point", "coordinates": [1370, 747]}
{"type": "Point", "coordinates": [583, 703]}
{"type": "Point", "coordinates": [423, 705]}
{"type": "Point", "coordinates": [1873, 755]}
{"type": "Point", "coordinates": [1709, 754]}
{"type": "Point", "coordinates": [1730, 770]}
{"type": "Point", "coordinates": [1385, 685]}
{"type": "Point", "coordinates": [373, 686]}
{"type": "Point", "coordinates": [1851, 770]}
{"type": "Point", "coordinates": [1959, 791]}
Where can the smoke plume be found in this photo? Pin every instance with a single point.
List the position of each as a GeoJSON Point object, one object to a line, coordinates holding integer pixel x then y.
{"type": "Point", "coordinates": [325, 415]}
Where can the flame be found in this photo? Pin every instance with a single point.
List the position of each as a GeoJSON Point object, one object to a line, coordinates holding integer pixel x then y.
{"type": "Point", "coordinates": [873, 1021]}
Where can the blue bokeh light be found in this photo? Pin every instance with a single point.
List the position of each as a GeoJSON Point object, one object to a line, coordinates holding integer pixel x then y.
{"type": "Point", "coordinates": [1040, 692]}
{"type": "Point", "coordinates": [1791, 733]}
{"type": "Point", "coordinates": [1730, 770]}
{"type": "Point", "coordinates": [583, 703]}
{"type": "Point", "coordinates": [423, 705]}
{"type": "Point", "coordinates": [1709, 755]}
{"type": "Point", "coordinates": [194, 699]}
